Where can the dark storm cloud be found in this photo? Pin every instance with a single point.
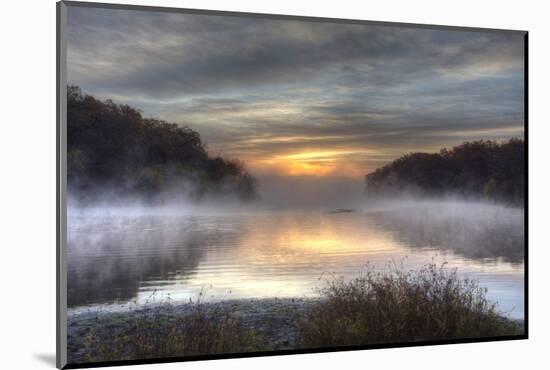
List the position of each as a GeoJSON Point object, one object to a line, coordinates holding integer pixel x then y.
{"type": "Point", "coordinates": [162, 55]}
{"type": "Point", "coordinates": [258, 88]}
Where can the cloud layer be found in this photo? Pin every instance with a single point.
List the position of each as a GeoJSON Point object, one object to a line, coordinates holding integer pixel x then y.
{"type": "Point", "coordinates": [303, 98]}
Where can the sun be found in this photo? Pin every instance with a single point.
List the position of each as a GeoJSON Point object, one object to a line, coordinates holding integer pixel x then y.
{"type": "Point", "coordinates": [312, 163]}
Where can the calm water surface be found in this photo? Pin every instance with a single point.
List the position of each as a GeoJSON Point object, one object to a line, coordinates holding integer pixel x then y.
{"type": "Point", "coordinates": [116, 261]}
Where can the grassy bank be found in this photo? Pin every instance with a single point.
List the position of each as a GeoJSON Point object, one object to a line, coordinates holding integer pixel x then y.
{"type": "Point", "coordinates": [186, 329]}
{"type": "Point", "coordinates": [394, 306]}
{"type": "Point", "coordinates": [403, 306]}
{"type": "Point", "coordinates": [161, 332]}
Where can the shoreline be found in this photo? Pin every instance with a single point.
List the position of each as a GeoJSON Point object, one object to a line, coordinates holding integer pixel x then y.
{"type": "Point", "coordinates": [274, 320]}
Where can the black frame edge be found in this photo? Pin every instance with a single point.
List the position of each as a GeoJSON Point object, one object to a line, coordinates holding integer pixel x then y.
{"type": "Point", "coordinates": [57, 192]}
{"type": "Point", "coordinates": [61, 280]}
{"type": "Point", "coordinates": [526, 165]}
{"type": "Point", "coordinates": [291, 352]}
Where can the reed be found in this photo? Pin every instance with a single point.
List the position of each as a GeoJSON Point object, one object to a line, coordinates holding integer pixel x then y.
{"type": "Point", "coordinates": [396, 306]}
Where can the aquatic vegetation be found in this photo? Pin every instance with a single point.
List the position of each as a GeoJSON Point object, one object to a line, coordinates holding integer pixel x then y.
{"type": "Point", "coordinates": [396, 306]}
{"type": "Point", "coordinates": [392, 306]}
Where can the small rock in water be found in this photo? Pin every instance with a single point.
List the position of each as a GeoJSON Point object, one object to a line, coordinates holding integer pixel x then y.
{"type": "Point", "coordinates": [343, 210]}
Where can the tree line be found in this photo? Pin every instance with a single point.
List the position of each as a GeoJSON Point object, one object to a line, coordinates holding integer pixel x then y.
{"type": "Point", "coordinates": [113, 147]}
{"type": "Point", "coordinates": [477, 169]}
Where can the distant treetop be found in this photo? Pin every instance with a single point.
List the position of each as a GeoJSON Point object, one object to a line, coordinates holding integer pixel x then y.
{"type": "Point", "coordinates": [112, 148]}
{"type": "Point", "coordinates": [479, 169]}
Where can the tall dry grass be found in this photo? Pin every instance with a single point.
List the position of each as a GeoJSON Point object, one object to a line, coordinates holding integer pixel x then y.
{"type": "Point", "coordinates": [393, 306]}
{"type": "Point", "coordinates": [397, 306]}
{"type": "Point", "coordinates": [154, 333]}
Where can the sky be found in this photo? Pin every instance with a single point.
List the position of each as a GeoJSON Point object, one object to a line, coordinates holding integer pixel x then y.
{"type": "Point", "coordinates": [298, 100]}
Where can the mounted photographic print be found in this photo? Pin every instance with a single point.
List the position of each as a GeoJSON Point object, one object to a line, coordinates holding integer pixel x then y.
{"type": "Point", "coordinates": [235, 184]}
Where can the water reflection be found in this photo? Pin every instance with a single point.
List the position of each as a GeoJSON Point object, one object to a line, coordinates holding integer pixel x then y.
{"type": "Point", "coordinates": [122, 259]}
{"type": "Point", "coordinates": [487, 233]}
{"type": "Point", "coordinates": [111, 259]}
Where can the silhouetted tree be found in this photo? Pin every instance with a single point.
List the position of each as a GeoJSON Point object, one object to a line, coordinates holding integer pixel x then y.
{"type": "Point", "coordinates": [487, 169]}
{"type": "Point", "coordinates": [112, 147]}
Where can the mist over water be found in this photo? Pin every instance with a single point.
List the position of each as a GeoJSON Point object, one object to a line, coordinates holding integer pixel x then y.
{"type": "Point", "coordinates": [165, 144]}
{"type": "Point", "coordinates": [311, 193]}
{"type": "Point", "coordinates": [276, 193]}
{"type": "Point", "coordinates": [282, 244]}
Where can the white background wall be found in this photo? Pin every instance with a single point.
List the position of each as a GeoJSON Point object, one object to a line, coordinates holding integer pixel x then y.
{"type": "Point", "coordinates": [27, 206]}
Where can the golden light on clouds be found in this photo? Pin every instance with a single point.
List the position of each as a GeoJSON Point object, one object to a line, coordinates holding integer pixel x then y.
{"type": "Point", "coordinates": [302, 168]}
{"type": "Point", "coordinates": [315, 163]}
{"type": "Point", "coordinates": [318, 155]}
{"type": "Point", "coordinates": [303, 98]}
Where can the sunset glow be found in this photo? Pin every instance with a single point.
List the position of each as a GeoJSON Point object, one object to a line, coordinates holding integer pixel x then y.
{"type": "Point", "coordinates": [301, 99]}
{"type": "Point", "coordinates": [314, 163]}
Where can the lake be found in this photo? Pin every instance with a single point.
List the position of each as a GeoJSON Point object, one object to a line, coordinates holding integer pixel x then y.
{"type": "Point", "coordinates": [116, 260]}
